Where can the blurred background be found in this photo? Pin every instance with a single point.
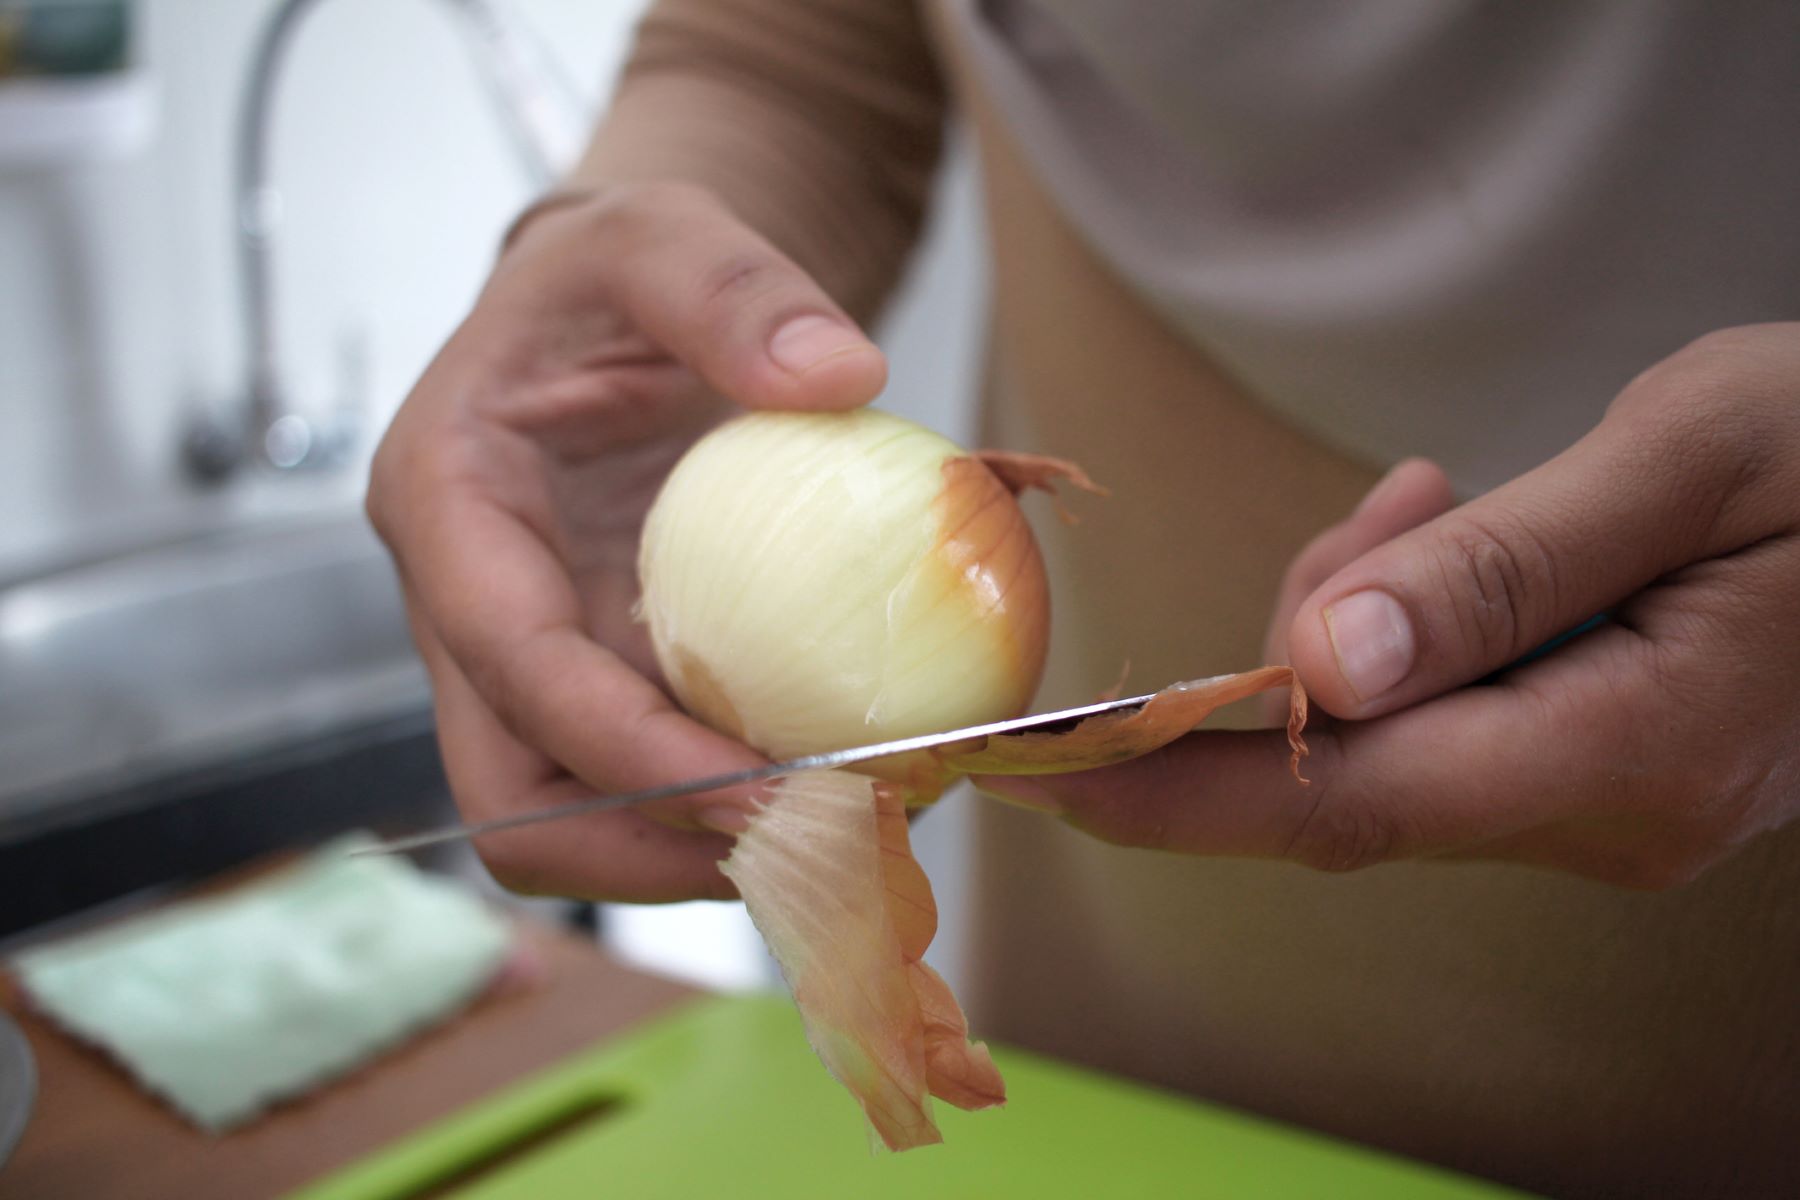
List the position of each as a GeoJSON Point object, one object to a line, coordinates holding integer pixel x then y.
{"type": "Point", "coordinates": [231, 235]}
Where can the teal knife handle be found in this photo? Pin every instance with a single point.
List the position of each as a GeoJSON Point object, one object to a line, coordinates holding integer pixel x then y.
{"type": "Point", "coordinates": [1561, 639]}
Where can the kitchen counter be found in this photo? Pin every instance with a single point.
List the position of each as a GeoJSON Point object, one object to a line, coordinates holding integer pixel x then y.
{"type": "Point", "coordinates": [96, 1135]}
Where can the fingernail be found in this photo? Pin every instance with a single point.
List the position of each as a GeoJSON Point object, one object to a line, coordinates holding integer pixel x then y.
{"type": "Point", "coordinates": [1020, 791]}
{"type": "Point", "coordinates": [805, 342]}
{"type": "Point", "coordinates": [724, 818]}
{"type": "Point", "coordinates": [1373, 641]}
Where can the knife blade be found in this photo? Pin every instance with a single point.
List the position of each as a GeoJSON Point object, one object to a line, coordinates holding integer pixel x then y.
{"type": "Point", "coordinates": [1036, 723]}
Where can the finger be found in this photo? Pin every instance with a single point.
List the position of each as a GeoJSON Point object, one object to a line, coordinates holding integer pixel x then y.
{"type": "Point", "coordinates": [1413, 492]}
{"type": "Point", "coordinates": [621, 855]}
{"type": "Point", "coordinates": [719, 297]}
{"type": "Point", "coordinates": [507, 614]}
{"type": "Point", "coordinates": [1477, 588]}
{"type": "Point", "coordinates": [1468, 770]}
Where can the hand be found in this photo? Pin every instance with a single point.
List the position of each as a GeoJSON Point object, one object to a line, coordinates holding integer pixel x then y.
{"type": "Point", "coordinates": [1638, 754]}
{"type": "Point", "coordinates": [511, 488]}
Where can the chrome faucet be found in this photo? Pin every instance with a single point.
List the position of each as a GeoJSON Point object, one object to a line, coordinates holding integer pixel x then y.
{"type": "Point", "coordinates": [541, 112]}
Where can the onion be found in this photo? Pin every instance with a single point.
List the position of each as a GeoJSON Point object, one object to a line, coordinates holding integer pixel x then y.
{"type": "Point", "coordinates": [813, 581]}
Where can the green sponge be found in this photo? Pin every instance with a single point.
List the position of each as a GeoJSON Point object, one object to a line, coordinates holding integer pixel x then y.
{"type": "Point", "coordinates": [224, 1006]}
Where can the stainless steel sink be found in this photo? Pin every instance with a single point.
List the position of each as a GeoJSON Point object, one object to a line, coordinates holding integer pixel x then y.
{"type": "Point", "coordinates": [193, 652]}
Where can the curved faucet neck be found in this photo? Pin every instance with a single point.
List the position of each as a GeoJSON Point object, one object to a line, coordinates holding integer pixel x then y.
{"type": "Point", "coordinates": [540, 111]}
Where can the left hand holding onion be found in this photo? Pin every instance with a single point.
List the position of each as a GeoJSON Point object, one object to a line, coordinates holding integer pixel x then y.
{"type": "Point", "coordinates": [1638, 754]}
{"type": "Point", "coordinates": [616, 329]}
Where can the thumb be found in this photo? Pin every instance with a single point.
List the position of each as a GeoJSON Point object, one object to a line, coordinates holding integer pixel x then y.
{"type": "Point", "coordinates": [1479, 587]}
{"type": "Point", "coordinates": [1410, 494]}
{"type": "Point", "coordinates": [719, 298]}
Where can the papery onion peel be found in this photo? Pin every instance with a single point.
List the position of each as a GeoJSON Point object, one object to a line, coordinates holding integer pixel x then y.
{"type": "Point", "coordinates": [827, 872]}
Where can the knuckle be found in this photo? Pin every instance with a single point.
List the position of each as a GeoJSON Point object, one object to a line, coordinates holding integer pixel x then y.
{"type": "Point", "coordinates": [504, 694]}
{"type": "Point", "coordinates": [740, 281]}
{"type": "Point", "coordinates": [511, 865]}
{"type": "Point", "coordinates": [508, 679]}
{"type": "Point", "coordinates": [1717, 346]}
{"type": "Point", "coordinates": [1342, 831]}
{"type": "Point", "coordinates": [1704, 415]}
{"type": "Point", "coordinates": [375, 506]}
{"type": "Point", "coordinates": [1497, 577]}
{"type": "Point", "coordinates": [1699, 368]}
{"type": "Point", "coordinates": [1338, 839]}
{"type": "Point", "coordinates": [1708, 424]}
{"type": "Point", "coordinates": [379, 506]}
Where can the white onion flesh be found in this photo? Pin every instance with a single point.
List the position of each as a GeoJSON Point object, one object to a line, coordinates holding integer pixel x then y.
{"type": "Point", "coordinates": [813, 581]}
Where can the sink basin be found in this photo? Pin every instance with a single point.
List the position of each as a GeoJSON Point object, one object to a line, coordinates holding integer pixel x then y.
{"type": "Point", "coordinates": [173, 709]}
{"type": "Point", "coordinates": [196, 651]}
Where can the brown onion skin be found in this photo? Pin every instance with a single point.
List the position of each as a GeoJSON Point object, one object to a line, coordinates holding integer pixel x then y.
{"type": "Point", "coordinates": [983, 532]}
{"type": "Point", "coordinates": [990, 565]}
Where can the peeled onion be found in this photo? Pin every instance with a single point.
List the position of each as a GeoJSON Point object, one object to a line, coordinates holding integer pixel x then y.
{"type": "Point", "coordinates": [813, 581]}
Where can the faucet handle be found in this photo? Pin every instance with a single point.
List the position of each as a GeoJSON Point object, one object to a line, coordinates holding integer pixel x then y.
{"type": "Point", "coordinates": [212, 444]}
{"type": "Point", "coordinates": [332, 434]}
{"type": "Point", "coordinates": [216, 442]}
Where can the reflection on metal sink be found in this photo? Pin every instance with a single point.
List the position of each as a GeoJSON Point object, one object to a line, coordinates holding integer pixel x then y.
{"type": "Point", "coordinates": [189, 653]}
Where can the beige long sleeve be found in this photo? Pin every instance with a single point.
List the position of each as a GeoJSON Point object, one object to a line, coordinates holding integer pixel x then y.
{"type": "Point", "coordinates": [819, 122]}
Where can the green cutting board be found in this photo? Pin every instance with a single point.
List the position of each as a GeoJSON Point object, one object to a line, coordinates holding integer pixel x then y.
{"type": "Point", "coordinates": [723, 1098]}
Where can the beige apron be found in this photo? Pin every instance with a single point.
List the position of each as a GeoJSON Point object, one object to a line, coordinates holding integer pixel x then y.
{"type": "Point", "coordinates": [1559, 1034]}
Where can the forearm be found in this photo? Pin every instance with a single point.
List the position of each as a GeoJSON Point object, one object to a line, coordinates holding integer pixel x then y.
{"type": "Point", "coordinates": [818, 121]}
